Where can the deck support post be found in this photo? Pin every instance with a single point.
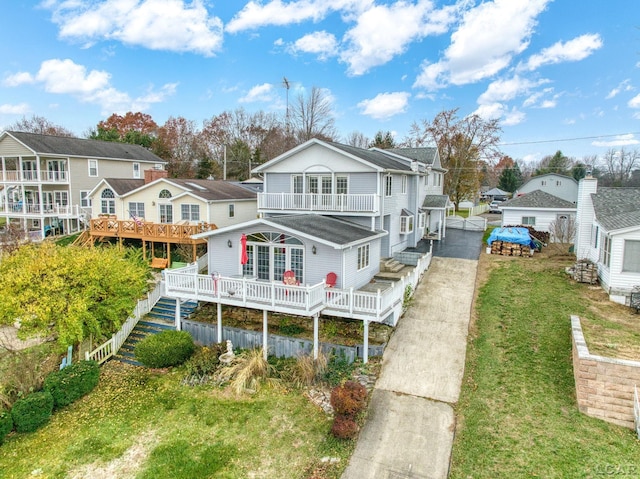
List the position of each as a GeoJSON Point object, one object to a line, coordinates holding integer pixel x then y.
{"type": "Point", "coordinates": [265, 334]}
{"type": "Point", "coordinates": [315, 336]}
{"type": "Point", "coordinates": [168, 255]}
{"type": "Point", "coordinates": [219, 313]}
{"type": "Point", "coordinates": [178, 325]}
{"type": "Point", "coordinates": [365, 352]}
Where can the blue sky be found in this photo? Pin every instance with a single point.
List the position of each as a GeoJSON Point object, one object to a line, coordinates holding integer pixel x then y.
{"type": "Point", "coordinates": [549, 70]}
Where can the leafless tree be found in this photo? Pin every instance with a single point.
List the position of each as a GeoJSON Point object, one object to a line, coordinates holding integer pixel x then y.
{"type": "Point", "coordinates": [312, 116]}
{"type": "Point", "coordinates": [357, 139]}
{"type": "Point", "coordinates": [563, 231]}
{"type": "Point", "coordinates": [618, 166]}
{"type": "Point", "coordinates": [40, 125]}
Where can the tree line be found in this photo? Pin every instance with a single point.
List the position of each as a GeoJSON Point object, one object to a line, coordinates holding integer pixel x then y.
{"type": "Point", "coordinates": [229, 145]}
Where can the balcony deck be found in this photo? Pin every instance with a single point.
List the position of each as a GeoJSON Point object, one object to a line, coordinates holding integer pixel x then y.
{"type": "Point", "coordinates": [326, 203]}
{"type": "Point", "coordinates": [152, 232]}
{"type": "Point", "coordinates": [31, 176]}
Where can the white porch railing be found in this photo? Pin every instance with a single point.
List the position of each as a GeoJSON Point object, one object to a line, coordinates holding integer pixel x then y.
{"type": "Point", "coordinates": [18, 208]}
{"type": "Point", "coordinates": [368, 203]}
{"type": "Point", "coordinates": [31, 175]}
{"type": "Point", "coordinates": [113, 344]}
{"type": "Point", "coordinates": [185, 283]}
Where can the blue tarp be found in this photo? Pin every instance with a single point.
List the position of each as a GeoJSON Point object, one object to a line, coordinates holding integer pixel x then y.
{"type": "Point", "coordinates": [512, 235]}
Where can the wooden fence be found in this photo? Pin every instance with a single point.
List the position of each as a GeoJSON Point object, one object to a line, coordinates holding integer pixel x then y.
{"type": "Point", "coordinates": [279, 346]}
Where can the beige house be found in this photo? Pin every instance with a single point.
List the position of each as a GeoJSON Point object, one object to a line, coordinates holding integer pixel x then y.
{"type": "Point", "coordinates": [158, 209]}
{"type": "Point", "coordinates": [45, 180]}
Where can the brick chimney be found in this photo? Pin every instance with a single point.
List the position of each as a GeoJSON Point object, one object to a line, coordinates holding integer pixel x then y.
{"type": "Point", "coordinates": [153, 175]}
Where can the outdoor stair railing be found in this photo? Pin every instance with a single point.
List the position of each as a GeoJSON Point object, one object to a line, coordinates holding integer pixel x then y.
{"type": "Point", "coordinates": [113, 344]}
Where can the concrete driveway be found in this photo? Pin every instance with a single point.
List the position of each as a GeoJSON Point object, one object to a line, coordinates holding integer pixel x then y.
{"type": "Point", "coordinates": [410, 425]}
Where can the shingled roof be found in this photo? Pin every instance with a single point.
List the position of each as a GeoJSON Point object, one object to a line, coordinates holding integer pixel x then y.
{"type": "Point", "coordinates": [617, 208]}
{"type": "Point", "coordinates": [426, 155]}
{"type": "Point", "coordinates": [375, 157]}
{"type": "Point", "coordinates": [327, 228]}
{"type": "Point", "coordinates": [538, 199]}
{"type": "Point", "coordinates": [208, 190]}
{"type": "Point", "coordinates": [79, 147]}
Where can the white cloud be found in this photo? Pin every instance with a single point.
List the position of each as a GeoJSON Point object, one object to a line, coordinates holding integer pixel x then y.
{"type": "Point", "coordinates": [504, 90]}
{"type": "Point", "coordinates": [385, 105]}
{"type": "Point", "coordinates": [18, 109]}
{"type": "Point", "coordinates": [634, 102]}
{"type": "Point", "coordinates": [69, 78]}
{"type": "Point", "coordinates": [17, 79]}
{"type": "Point", "coordinates": [169, 25]}
{"type": "Point", "coordinates": [262, 92]}
{"type": "Point", "coordinates": [384, 31]}
{"type": "Point", "coordinates": [513, 117]}
{"type": "Point", "coordinates": [625, 85]}
{"type": "Point", "coordinates": [322, 44]}
{"type": "Point", "coordinates": [476, 51]}
{"type": "Point", "coordinates": [257, 14]}
{"type": "Point", "coordinates": [620, 140]}
{"type": "Point", "coordinates": [574, 50]}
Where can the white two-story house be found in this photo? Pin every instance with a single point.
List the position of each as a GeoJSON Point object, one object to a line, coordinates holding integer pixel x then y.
{"type": "Point", "coordinates": [45, 180]}
{"type": "Point", "coordinates": [329, 214]}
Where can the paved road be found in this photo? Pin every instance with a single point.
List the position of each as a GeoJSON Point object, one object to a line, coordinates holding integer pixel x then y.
{"type": "Point", "coordinates": [410, 424]}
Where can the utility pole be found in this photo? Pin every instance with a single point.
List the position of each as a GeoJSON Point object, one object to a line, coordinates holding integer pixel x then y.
{"type": "Point", "coordinates": [285, 83]}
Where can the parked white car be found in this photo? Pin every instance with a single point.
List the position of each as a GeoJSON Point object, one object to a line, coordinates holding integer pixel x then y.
{"type": "Point", "coordinates": [494, 207]}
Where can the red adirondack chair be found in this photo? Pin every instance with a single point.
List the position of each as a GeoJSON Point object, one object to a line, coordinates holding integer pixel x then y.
{"type": "Point", "coordinates": [331, 279]}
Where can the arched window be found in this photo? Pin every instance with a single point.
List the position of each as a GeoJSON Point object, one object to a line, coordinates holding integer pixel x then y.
{"type": "Point", "coordinates": [108, 202]}
{"type": "Point", "coordinates": [164, 194]}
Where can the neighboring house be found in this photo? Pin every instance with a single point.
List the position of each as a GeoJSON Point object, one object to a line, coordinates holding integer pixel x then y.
{"type": "Point", "coordinates": [561, 186]}
{"type": "Point", "coordinates": [538, 209]}
{"type": "Point", "coordinates": [496, 194]}
{"type": "Point", "coordinates": [330, 214]}
{"type": "Point", "coordinates": [609, 235]}
{"type": "Point", "coordinates": [45, 180]}
{"type": "Point", "coordinates": [167, 210]}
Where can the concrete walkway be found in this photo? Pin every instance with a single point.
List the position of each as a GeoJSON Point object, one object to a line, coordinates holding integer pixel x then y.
{"type": "Point", "coordinates": [410, 424]}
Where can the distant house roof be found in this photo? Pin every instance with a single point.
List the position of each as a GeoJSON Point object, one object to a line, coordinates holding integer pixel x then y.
{"type": "Point", "coordinates": [538, 199]}
{"type": "Point", "coordinates": [435, 201]}
{"type": "Point", "coordinates": [617, 208]}
{"type": "Point", "coordinates": [208, 190]}
{"type": "Point", "coordinates": [67, 146]}
{"type": "Point", "coordinates": [551, 174]}
{"type": "Point", "coordinates": [496, 192]}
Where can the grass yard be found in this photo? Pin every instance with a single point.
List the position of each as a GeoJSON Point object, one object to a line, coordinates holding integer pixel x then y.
{"type": "Point", "coordinates": [143, 424]}
{"type": "Point", "coordinates": [517, 414]}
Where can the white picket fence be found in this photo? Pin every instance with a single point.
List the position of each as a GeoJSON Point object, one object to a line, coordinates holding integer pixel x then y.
{"type": "Point", "coordinates": [636, 410]}
{"type": "Point", "coordinates": [113, 344]}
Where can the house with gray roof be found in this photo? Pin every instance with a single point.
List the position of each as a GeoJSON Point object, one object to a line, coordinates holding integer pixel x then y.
{"type": "Point", "coordinates": [561, 186]}
{"type": "Point", "coordinates": [45, 179]}
{"type": "Point", "coordinates": [609, 235]}
{"type": "Point", "coordinates": [541, 210]}
{"type": "Point", "coordinates": [330, 216]}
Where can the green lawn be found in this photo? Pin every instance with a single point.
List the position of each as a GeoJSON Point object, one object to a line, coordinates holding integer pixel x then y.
{"type": "Point", "coordinates": [147, 425]}
{"type": "Point", "coordinates": [517, 415]}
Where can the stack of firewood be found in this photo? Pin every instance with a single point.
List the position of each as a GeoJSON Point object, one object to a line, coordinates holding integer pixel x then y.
{"type": "Point", "coordinates": [507, 248]}
{"type": "Point", "coordinates": [585, 271]}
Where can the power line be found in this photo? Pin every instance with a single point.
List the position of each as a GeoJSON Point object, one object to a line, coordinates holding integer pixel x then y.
{"type": "Point", "coordinates": [568, 139]}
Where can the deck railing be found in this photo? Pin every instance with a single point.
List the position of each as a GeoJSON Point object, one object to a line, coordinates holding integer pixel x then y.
{"type": "Point", "coordinates": [31, 175]}
{"type": "Point", "coordinates": [113, 344]}
{"type": "Point", "coordinates": [108, 226]}
{"type": "Point", "coordinates": [19, 208]}
{"type": "Point", "coordinates": [368, 203]}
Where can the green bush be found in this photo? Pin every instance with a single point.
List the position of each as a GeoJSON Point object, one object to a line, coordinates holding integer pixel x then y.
{"type": "Point", "coordinates": [73, 382]}
{"type": "Point", "coordinates": [165, 349]}
{"type": "Point", "coordinates": [6, 424]}
{"type": "Point", "coordinates": [33, 411]}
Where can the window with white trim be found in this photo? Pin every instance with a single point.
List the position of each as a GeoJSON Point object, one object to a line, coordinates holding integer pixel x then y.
{"type": "Point", "coordinates": [529, 220]}
{"type": "Point", "coordinates": [136, 209]}
{"type": "Point", "coordinates": [190, 212]}
{"type": "Point", "coordinates": [136, 170]}
{"type": "Point", "coordinates": [543, 182]}
{"type": "Point", "coordinates": [422, 219]}
{"type": "Point", "coordinates": [342, 185]}
{"type": "Point", "coordinates": [631, 256]}
{"type": "Point", "coordinates": [404, 184]}
{"type": "Point", "coordinates": [232, 210]}
{"type": "Point", "coordinates": [388, 185]}
{"type": "Point", "coordinates": [108, 202]}
{"type": "Point", "coordinates": [605, 252]}
{"type": "Point", "coordinates": [85, 201]}
{"type": "Point", "coordinates": [164, 194]}
{"type": "Point", "coordinates": [406, 224]}
{"type": "Point", "coordinates": [363, 256]}
{"type": "Point", "coordinates": [93, 167]}
{"type": "Point", "coordinates": [61, 198]}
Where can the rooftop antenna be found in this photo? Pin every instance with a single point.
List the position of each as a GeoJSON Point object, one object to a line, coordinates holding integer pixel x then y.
{"type": "Point", "coordinates": [287, 85]}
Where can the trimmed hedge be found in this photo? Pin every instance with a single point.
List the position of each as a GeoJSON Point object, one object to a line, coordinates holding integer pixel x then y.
{"type": "Point", "coordinates": [6, 424]}
{"type": "Point", "coordinates": [165, 349]}
{"type": "Point", "coordinates": [73, 382]}
{"type": "Point", "coordinates": [32, 412]}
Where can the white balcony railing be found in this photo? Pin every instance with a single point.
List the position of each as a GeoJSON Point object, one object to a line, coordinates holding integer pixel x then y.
{"type": "Point", "coordinates": [20, 209]}
{"type": "Point", "coordinates": [365, 203]}
{"type": "Point", "coordinates": [35, 176]}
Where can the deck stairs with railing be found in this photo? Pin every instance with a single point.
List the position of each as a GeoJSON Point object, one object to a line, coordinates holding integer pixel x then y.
{"type": "Point", "coordinates": [160, 318]}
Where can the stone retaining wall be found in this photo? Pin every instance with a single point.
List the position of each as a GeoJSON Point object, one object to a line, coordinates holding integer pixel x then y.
{"type": "Point", "coordinates": [604, 386]}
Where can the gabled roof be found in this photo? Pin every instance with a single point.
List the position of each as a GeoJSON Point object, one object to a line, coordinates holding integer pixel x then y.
{"type": "Point", "coordinates": [496, 192]}
{"type": "Point", "coordinates": [426, 155]}
{"type": "Point", "coordinates": [328, 230]}
{"type": "Point", "coordinates": [564, 177]}
{"type": "Point", "coordinates": [617, 208]}
{"type": "Point", "coordinates": [538, 199]}
{"type": "Point", "coordinates": [66, 146]}
{"type": "Point", "coordinates": [122, 186]}
{"type": "Point", "coordinates": [435, 201]}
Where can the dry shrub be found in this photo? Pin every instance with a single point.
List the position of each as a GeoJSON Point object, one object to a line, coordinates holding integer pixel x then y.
{"type": "Point", "coordinates": [348, 399]}
{"type": "Point", "coordinates": [307, 371]}
{"type": "Point", "coordinates": [344, 427]}
{"type": "Point", "coordinates": [24, 371]}
{"type": "Point", "coordinates": [248, 371]}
